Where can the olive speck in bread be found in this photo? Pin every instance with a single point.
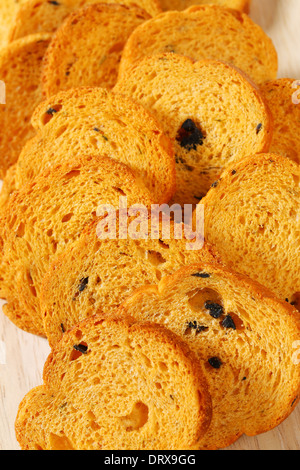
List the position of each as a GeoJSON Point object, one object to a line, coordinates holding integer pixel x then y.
{"type": "Point", "coordinates": [99, 273]}
{"type": "Point", "coordinates": [210, 110]}
{"type": "Point", "coordinates": [205, 32]}
{"type": "Point", "coordinates": [20, 70]}
{"type": "Point", "coordinates": [99, 122]}
{"type": "Point", "coordinates": [46, 215]}
{"type": "Point", "coordinates": [244, 337]}
{"type": "Point", "coordinates": [115, 384]}
{"type": "Point", "coordinates": [252, 219]}
{"type": "Point", "coordinates": [76, 57]}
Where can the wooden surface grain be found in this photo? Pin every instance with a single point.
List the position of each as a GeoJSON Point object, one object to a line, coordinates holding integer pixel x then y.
{"type": "Point", "coordinates": [22, 355]}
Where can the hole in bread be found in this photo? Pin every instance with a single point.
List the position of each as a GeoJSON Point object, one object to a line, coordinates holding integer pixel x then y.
{"type": "Point", "coordinates": [295, 300]}
{"type": "Point", "coordinates": [59, 442]}
{"type": "Point", "coordinates": [163, 244]}
{"type": "Point", "coordinates": [199, 297]}
{"type": "Point", "coordinates": [137, 418]}
{"type": "Point", "coordinates": [67, 217]}
{"type": "Point", "coordinates": [93, 421]}
{"type": "Point", "coordinates": [11, 222]}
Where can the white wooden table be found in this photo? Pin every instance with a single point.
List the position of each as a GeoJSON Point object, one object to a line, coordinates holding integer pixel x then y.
{"type": "Point", "coordinates": [22, 355]}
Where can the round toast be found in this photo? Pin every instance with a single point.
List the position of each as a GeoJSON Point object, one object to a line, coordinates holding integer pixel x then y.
{"type": "Point", "coordinates": [115, 384]}
{"type": "Point", "coordinates": [206, 32]}
{"type": "Point", "coordinates": [245, 338]}
{"type": "Point", "coordinates": [20, 70]}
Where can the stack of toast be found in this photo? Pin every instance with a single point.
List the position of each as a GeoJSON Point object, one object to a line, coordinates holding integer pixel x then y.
{"type": "Point", "coordinates": [116, 111]}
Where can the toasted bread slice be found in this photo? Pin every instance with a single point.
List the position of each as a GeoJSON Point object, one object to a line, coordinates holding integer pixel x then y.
{"type": "Point", "coordinates": [8, 186]}
{"type": "Point", "coordinates": [46, 215]}
{"type": "Point", "coordinates": [35, 16]}
{"type": "Point", "coordinates": [212, 113]}
{"type": "Point", "coordinates": [8, 11]}
{"type": "Point", "coordinates": [20, 69]}
{"type": "Point", "coordinates": [206, 32]}
{"type": "Point", "coordinates": [114, 384]}
{"type": "Point", "coordinates": [245, 338]}
{"type": "Point", "coordinates": [76, 57]}
{"type": "Point", "coordinates": [283, 98]}
{"type": "Point", "coordinates": [252, 218]}
{"type": "Point", "coordinates": [99, 273]}
{"type": "Point", "coordinates": [179, 5]}
{"type": "Point", "coordinates": [96, 121]}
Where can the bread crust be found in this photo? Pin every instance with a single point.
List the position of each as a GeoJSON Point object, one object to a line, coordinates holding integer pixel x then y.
{"type": "Point", "coordinates": [112, 270]}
